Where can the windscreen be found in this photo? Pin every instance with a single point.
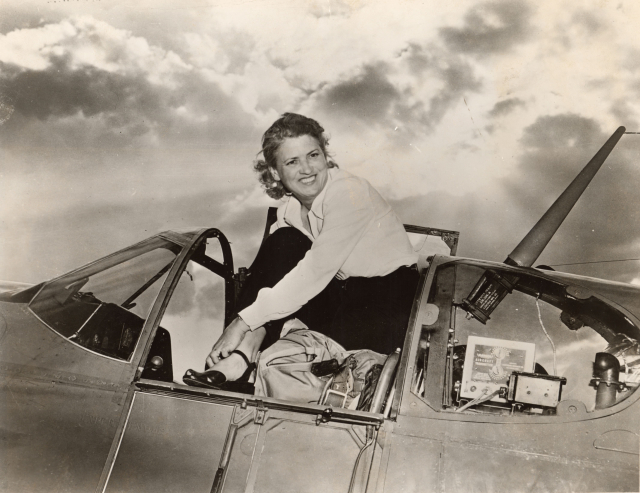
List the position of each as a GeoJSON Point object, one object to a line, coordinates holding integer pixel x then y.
{"type": "Point", "coordinates": [103, 307]}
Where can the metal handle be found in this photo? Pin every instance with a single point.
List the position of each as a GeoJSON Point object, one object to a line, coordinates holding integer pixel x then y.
{"type": "Point", "coordinates": [384, 382]}
{"type": "Point", "coordinates": [224, 460]}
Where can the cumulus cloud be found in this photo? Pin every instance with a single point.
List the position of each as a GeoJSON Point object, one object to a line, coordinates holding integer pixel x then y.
{"type": "Point", "coordinates": [183, 298]}
{"type": "Point", "coordinates": [209, 298]}
{"type": "Point", "coordinates": [491, 27]}
{"type": "Point", "coordinates": [623, 111]}
{"type": "Point", "coordinates": [83, 64]}
{"type": "Point", "coordinates": [414, 91]}
{"type": "Point", "coordinates": [227, 51]}
{"type": "Point", "coordinates": [92, 82]}
{"type": "Point", "coordinates": [587, 19]}
{"type": "Point", "coordinates": [506, 106]}
{"type": "Point", "coordinates": [87, 42]}
{"type": "Point", "coordinates": [369, 95]}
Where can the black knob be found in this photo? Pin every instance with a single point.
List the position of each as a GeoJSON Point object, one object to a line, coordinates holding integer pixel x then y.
{"type": "Point", "coordinates": [156, 363]}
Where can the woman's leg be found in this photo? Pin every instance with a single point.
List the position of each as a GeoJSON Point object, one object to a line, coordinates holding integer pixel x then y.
{"type": "Point", "coordinates": [374, 312]}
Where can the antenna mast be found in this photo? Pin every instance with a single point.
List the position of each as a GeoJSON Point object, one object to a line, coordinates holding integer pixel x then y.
{"type": "Point", "coordinates": [531, 246]}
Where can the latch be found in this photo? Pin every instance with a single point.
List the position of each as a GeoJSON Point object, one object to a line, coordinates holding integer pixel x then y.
{"type": "Point", "coordinates": [261, 414]}
{"type": "Point", "coordinates": [325, 417]}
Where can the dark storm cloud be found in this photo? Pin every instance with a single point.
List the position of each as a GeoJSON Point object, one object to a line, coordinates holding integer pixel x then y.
{"type": "Point", "coordinates": [590, 22]}
{"type": "Point", "coordinates": [369, 95]}
{"type": "Point", "coordinates": [81, 111]}
{"type": "Point", "coordinates": [492, 27]}
{"type": "Point", "coordinates": [372, 98]}
{"type": "Point", "coordinates": [61, 91]}
{"type": "Point", "coordinates": [458, 80]}
{"type": "Point", "coordinates": [506, 106]}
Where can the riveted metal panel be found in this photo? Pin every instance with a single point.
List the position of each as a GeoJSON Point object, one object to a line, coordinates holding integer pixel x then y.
{"type": "Point", "coordinates": [299, 453]}
{"type": "Point", "coordinates": [414, 465]}
{"type": "Point", "coordinates": [170, 444]}
{"type": "Point", "coordinates": [54, 437]}
{"type": "Point", "coordinates": [470, 469]}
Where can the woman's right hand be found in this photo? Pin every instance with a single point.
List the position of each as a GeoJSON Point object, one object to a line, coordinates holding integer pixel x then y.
{"type": "Point", "coordinates": [229, 340]}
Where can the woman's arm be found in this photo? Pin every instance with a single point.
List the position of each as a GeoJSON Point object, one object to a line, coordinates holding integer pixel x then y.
{"type": "Point", "coordinates": [230, 339]}
{"type": "Point", "coordinates": [348, 212]}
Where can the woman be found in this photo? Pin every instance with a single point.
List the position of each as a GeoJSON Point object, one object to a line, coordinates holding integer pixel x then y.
{"type": "Point", "coordinates": [337, 259]}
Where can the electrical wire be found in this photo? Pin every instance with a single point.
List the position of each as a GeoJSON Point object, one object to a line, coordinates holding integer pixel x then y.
{"type": "Point", "coordinates": [479, 400]}
{"type": "Point", "coordinates": [595, 262]}
{"type": "Point", "coordinates": [555, 372]}
{"type": "Point", "coordinates": [355, 467]}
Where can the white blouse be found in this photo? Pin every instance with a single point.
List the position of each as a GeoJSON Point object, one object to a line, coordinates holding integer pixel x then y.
{"type": "Point", "coordinates": [355, 233]}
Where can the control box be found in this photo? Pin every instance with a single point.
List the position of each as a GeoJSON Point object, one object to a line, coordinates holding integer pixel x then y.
{"type": "Point", "coordinates": [535, 389]}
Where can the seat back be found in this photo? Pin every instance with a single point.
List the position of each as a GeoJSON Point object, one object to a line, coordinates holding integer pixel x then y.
{"type": "Point", "coordinates": [272, 217]}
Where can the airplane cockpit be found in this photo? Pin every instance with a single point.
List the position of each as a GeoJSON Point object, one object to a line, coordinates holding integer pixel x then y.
{"type": "Point", "coordinates": [512, 344]}
{"type": "Point", "coordinates": [492, 341]}
{"type": "Point", "coordinates": [103, 306]}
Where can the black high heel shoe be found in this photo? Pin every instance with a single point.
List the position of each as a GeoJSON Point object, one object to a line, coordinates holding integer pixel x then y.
{"type": "Point", "coordinates": [214, 379]}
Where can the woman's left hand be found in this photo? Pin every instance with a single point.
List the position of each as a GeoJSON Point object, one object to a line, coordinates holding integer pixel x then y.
{"type": "Point", "coordinates": [229, 340]}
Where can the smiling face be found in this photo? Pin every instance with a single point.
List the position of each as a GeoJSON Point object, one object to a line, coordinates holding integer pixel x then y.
{"type": "Point", "coordinates": [302, 168]}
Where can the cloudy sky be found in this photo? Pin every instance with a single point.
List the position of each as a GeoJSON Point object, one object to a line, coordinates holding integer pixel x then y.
{"type": "Point", "coordinates": [121, 119]}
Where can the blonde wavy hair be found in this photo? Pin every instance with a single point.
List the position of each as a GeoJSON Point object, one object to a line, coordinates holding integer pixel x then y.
{"type": "Point", "coordinates": [289, 125]}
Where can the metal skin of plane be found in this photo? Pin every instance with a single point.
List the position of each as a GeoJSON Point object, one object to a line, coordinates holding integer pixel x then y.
{"type": "Point", "coordinates": [511, 379]}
